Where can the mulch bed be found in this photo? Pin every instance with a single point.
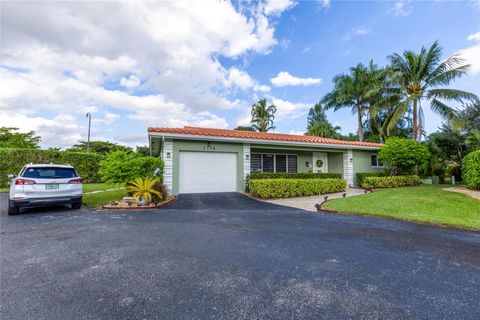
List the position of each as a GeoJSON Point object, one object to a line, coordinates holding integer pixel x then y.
{"type": "Point", "coordinates": [127, 205]}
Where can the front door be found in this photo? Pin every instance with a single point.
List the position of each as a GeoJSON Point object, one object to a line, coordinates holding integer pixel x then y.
{"type": "Point", "coordinates": [320, 162]}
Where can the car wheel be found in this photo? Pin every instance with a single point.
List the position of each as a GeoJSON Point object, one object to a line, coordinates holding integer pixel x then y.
{"type": "Point", "coordinates": [12, 210]}
{"type": "Point", "coordinates": [76, 205]}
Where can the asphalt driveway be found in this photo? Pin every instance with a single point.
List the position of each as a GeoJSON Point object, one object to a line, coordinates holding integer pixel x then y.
{"type": "Point", "coordinates": [233, 263]}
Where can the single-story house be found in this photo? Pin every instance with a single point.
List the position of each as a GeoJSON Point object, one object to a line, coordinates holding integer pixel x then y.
{"type": "Point", "coordinates": [218, 160]}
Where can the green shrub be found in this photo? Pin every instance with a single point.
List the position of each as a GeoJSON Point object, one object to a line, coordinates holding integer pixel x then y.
{"type": "Point", "coordinates": [403, 155]}
{"type": "Point", "coordinates": [362, 175]}
{"type": "Point", "coordinates": [13, 159]}
{"type": "Point", "coordinates": [391, 181]}
{"type": "Point", "coordinates": [285, 188]}
{"type": "Point", "coordinates": [121, 167]}
{"type": "Point", "coordinates": [296, 175]}
{"type": "Point", "coordinates": [471, 169]}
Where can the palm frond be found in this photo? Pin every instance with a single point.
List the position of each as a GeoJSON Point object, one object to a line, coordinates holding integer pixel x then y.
{"type": "Point", "coordinates": [443, 110]}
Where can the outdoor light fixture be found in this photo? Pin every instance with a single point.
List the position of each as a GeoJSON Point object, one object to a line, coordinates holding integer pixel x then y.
{"type": "Point", "coordinates": [307, 164]}
{"type": "Point", "coordinates": [351, 160]}
{"type": "Point", "coordinates": [247, 157]}
{"type": "Point", "coordinates": [209, 143]}
{"type": "Point", "coordinates": [319, 205]}
{"type": "Point", "coordinates": [168, 154]}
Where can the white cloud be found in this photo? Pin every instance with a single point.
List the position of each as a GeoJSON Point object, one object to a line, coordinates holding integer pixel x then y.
{"type": "Point", "coordinates": [276, 7]}
{"type": "Point", "coordinates": [355, 32]}
{"type": "Point", "coordinates": [283, 79]}
{"type": "Point", "coordinates": [323, 4]}
{"type": "Point", "coordinates": [239, 78]}
{"type": "Point", "coordinates": [401, 8]}
{"type": "Point", "coordinates": [131, 82]}
{"type": "Point", "coordinates": [63, 58]}
{"type": "Point", "coordinates": [262, 88]}
{"type": "Point", "coordinates": [287, 110]}
{"type": "Point", "coordinates": [474, 37]}
{"type": "Point", "coordinates": [298, 133]}
{"type": "Point", "coordinates": [472, 54]}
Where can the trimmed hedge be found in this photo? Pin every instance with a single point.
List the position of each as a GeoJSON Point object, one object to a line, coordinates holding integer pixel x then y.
{"type": "Point", "coordinates": [13, 159]}
{"type": "Point", "coordinates": [296, 175]}
{"type": "Point", "coordinates": [471, 169]}
{"type": "Point", "coordinates": [362, 175]}
{"type": "Point", "coordinates": [285, 188]}
{"type": "Point", "coordinates": [391, 181]}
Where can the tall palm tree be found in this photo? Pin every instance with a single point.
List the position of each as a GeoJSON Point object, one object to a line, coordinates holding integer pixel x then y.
{"type": "Point", "coordinates": [424, 77]}
{"type": "Point", "coordinates": [355, 90]}
{"type": "Point", "coordinates": [263, 116]}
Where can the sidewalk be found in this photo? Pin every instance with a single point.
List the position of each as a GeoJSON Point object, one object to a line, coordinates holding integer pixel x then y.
{"type": "Point", "coordinates": [308, 203]}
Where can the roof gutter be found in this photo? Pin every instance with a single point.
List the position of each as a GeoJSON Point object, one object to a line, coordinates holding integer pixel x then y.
{"type": "Point", "coordinates": [260, 141]}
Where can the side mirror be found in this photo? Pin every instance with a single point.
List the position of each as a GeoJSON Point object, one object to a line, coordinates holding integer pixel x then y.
{"type": "Point", "coordinates": [11, 176]}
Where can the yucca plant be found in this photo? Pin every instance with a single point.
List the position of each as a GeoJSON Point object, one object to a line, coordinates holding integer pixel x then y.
{"type": "Point", "coordinates": [144, 188]}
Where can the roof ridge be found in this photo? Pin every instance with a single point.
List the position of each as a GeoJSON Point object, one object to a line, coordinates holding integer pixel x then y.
{"type": "Point", "coordinates": [272, 136]}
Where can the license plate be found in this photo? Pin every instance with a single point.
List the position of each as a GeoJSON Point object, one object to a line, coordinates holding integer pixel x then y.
{"type": "Point", "coordinates": [51, 187]}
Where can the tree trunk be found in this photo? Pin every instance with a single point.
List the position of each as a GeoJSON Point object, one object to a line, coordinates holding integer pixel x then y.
{"type": "Point", "coordinates": [415, 121]}
{"type": "Point", "coordinates": [360, 124]}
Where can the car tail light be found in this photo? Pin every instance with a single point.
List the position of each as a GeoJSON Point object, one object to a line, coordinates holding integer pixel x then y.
{"type": "Point", "coordinates": [75, 181]}
{"type": "Point", "coordinates": [24, 181]}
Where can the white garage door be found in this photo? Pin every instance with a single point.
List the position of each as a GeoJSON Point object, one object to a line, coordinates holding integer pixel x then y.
{"type": "Point", "coordinates": [207, 172]}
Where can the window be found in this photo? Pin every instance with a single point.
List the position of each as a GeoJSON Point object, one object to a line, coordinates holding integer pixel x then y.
{"type": "Point", "coordinates": [273, 163]}
{"type": "Point", "coordinates": [256, 163]}
{"type": "Point", "coordinates": [268, 165]}
{"type": "Point", "coordinates": [49, 173]}
{"type": "Point", "coordinates": [292, 163]}
{"type": "Point", "coordinates": [374, 161]}
{"type": "Point", "coordinates": [280, 163]}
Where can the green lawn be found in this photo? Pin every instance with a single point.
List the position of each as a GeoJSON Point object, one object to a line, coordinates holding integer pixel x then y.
{"type": "Point", "coordinates": [88, 187]}
{"type": "Point", "coordinates": [97, 199]}
{"type": "Point", "coordinates": [426, 203]}
{"type": "Point", "coordinates": [4, 189]}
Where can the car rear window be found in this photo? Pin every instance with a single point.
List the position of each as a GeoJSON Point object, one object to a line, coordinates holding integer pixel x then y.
{"type": "Point", "coordinates": [49, 173]}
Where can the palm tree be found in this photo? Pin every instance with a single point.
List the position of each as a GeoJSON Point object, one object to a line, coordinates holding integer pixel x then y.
{"type": "Point", "coordinates": [262, 116]}
{"type": "Point", "coordinates": [424, 76]}
{"type": "Point", "coordinates": [355, 90]}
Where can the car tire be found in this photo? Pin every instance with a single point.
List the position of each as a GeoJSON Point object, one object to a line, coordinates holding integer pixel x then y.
{"type": "Point", "coordinates": [76, 205]}
{"type": "Point", "coordinates": [12, 210]}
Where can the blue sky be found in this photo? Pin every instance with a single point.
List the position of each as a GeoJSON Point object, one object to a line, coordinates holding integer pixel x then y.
{"type": "Point", "coordinates": [204, 63]}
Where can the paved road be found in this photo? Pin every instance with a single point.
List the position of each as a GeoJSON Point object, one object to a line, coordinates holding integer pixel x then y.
{"type": "Point", "coordinates": [225, 263]}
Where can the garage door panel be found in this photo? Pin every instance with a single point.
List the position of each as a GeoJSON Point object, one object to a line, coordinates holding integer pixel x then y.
{"type": "Point", "coordinates": [207, 172]}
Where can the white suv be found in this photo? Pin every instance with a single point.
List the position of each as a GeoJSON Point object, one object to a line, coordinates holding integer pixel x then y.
{"type": "Point", "coordinates": [45, 184]}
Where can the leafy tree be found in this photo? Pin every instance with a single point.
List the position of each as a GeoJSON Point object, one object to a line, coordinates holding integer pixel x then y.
{"type": "Point", "coordinates": [318, 124]}
{"type": "Point", "coordinates": [122, 167]}
{"type": "Point", "coordinates": [471, 169]}
{"type": "Point", "coordinates": [448, 143]}
{"type": "Point", "coordinates": [403, 155]}
{"type": "Point", "coordinates": [425, 77]}
{"type": "Point", "coordinates": [144, 151]}
{"type": "Point", "coordinates": [324, 129]}
{"type": "Point", "coordinates": [355, 90]}
{"type": "Point", "coordinates": [263, 116]}
{"type": "Point", "coordinates": [316, 113]}
{"type": "Point", "coordinates": [473, 140]}
{"type": "Point", "coordinates": [244, 128]}
{"type": "Point", "coordinates": [102, 147]}
{"type": "Point", "coordinates": [11, 138]}
{"type": "Point", "coordinates": [470, 117]}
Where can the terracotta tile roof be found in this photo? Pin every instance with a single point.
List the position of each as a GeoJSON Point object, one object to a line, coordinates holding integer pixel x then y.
{"type": "Point", "coordinates": [237, 134]}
